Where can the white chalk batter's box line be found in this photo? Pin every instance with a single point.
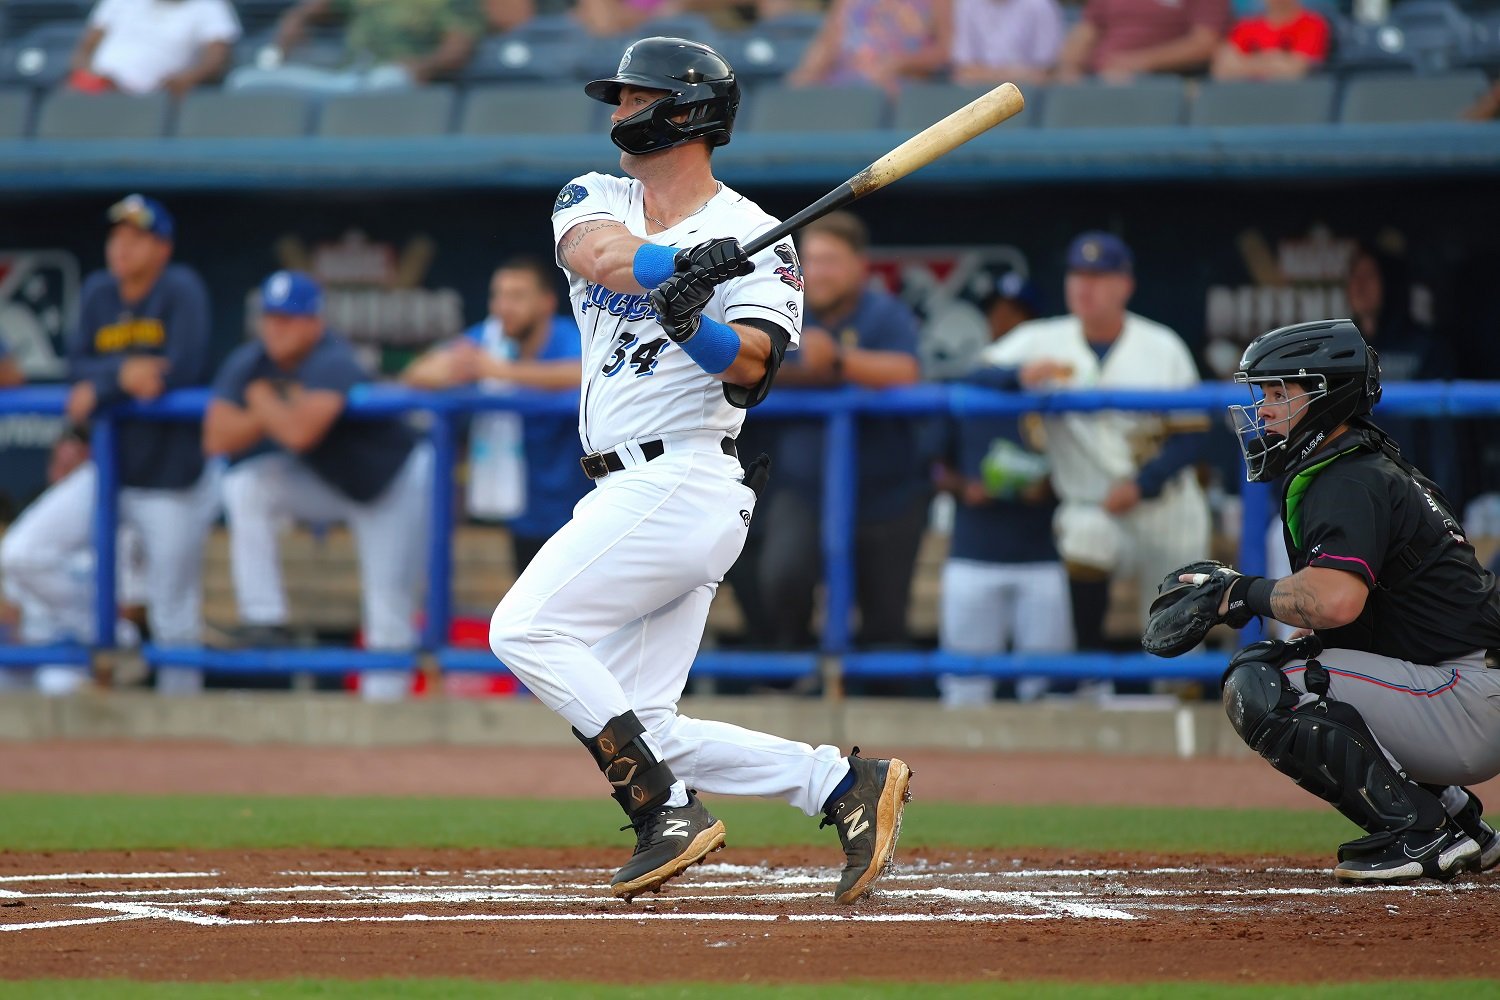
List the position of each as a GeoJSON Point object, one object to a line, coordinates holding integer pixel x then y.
{"type": "Point", "coordinates": [947, 895]}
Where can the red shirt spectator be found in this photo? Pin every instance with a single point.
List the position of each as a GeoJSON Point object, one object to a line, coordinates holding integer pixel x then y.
{"type": "Point", "coordinates": [1282, 44]}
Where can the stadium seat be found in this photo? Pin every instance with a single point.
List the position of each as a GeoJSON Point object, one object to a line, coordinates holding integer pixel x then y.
{"type": "Point", "coordinates": [15, 113]}
{"type": "Point", "coordinates": [41, 58]}
{"type": "Point", "coordinates": [261, 15]}
{"type": "Point", "coordinates": [519, 109]}
{"type": "Point", "coordinates": [426, 111]}
{"type": "Point", "coordinates": [521, 56]}
{"type": "Point", "coordinates": [1434, 32]}
{"type": "Point", "coordinates": [225, 114]}
{"type": "Point", "coordinates": [820, 109]}
{"type": "Point", "coordinates": [1482, 46]}
{"type": "Point", "coordinates": [921, 104]}
{"type": "Point", "coordinates": [760, 57]}
{"type": "Point", "coordinates": [24, 16]}
{"type": "Point", "coordinates": [1154, 100]}
{"type": "Point", "coordinates": [70, 115]}
{"type": "Point", "coordinates": [803, 24]}
{"type": "Point", "coordinates": [1391, 98]}
{"type": "Point", "coordinates": [1296, 102]}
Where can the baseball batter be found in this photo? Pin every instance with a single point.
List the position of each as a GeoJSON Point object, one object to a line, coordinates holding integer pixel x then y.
{"type": "Point", "coordinates": [603, 625]}
{"type": "Point", "coordinates": [1384, 706]}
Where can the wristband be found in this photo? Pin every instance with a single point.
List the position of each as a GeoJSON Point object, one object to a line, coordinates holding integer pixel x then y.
{"type": "Point", "coordinates": [714, 347]}
{"type": "Point", "coordinates": [1258, 596]}
{"type": "Point", "coordinates": [653, 264]}
{"type": "Point", "coordinates": [1248, 596]}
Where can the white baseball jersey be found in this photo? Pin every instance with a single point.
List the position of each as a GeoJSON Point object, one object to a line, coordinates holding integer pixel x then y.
{"type": "Point", "coordinates": [636, 382]}
{"type": "Point", "coordinates": [1090, 451]}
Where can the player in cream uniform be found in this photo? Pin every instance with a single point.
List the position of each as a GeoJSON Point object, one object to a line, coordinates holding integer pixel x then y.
{"type": "Point", "coordinates": [1129, 498]}
{"type": "Point", "coordinates": [605, 622]}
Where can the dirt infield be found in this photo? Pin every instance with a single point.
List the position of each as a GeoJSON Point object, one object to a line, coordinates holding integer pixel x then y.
{"type": "Point", "coordinates": [756, 915]}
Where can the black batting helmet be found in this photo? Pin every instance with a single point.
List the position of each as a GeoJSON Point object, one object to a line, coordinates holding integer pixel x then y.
{"type": "Point", "coordinates": [699, 81]}
{"type": "Point", "coordinates": [1339, 375]}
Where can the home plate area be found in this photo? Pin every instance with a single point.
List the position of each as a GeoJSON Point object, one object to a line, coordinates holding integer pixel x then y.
{"type": "Point", "coordinates": [920, 891]}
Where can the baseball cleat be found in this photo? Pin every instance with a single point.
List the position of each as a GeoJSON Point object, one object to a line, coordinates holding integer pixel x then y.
{"type": "Point", "coordinates": [1391, 859]}
{"type": "Point", "coordinates": [868, 819]}
{"type": "Point", "coordinates": [669, 841]}
{"type": "Point", "coordinates": [1471, 820]}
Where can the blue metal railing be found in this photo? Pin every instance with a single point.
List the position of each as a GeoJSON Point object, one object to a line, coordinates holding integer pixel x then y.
{"type": "Point", "coordinates": [840, 410]}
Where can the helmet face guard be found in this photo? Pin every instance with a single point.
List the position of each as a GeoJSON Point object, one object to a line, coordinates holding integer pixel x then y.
{"type": "Point", "coordinates": [1267, 445]}
{"type": "Point", "coordinates": [653, 127]}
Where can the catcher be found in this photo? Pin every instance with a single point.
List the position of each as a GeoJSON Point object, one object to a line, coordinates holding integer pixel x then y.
{"type": "Point", "coordinates": [1383, 704]}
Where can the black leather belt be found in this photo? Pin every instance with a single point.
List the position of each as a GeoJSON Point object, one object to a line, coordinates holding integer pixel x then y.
{"type": "Point", "coordinates": [602, 463]}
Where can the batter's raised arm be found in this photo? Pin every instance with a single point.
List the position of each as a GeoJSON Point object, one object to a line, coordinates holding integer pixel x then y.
{"type": "Point", "coordinates": [605, 252]}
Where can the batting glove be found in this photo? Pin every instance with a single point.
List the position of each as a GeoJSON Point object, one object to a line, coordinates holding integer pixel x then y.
{"type": "Point", "coordinates": [719, 259]}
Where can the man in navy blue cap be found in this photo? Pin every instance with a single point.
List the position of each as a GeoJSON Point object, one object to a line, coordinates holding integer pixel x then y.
{"type": "Point", "coordinates": [278, 413]}
{"type": "Point", "coordinates": [143, 329]}
{"type": "Point", "coordinates": [1129, 499]}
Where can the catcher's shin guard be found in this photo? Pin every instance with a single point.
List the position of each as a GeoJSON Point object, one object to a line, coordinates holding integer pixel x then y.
{"type": "Point", "coordinates": [1325, 747]}
{"type": "Point", "coordinates": [640, 781]}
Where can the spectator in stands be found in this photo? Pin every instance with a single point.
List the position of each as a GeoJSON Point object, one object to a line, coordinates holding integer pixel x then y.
{"type": "Point", "coordinates": [1004, 586]}
{"type": "Point", "coordinates": [507, 15]}
{"type": "Point", "coordinates": [1130, 502]}
{"type": "Point", "coordinates": [1378, 289]}
{"type": "Point", "coordinates": [522, 470]}
{"type": "Point", "coordinates": [878, 42]}
{"type": "Point", "coordinates": [1286, 42]}
{"type": "Point", "coordinates": [143, 328]}
{"type": "Point", "coordinates": [852, 335]}
{"type": "Point", "coordinates": [389, 45]}
{"type": "Point", "coordinates": [999, 40]}
{"type": "Point", "coordinates": [141, 46]}
{"type": "Point", "coordinates": [1121, 39]}
{"type": "Point", "coordinates": [278, 411]}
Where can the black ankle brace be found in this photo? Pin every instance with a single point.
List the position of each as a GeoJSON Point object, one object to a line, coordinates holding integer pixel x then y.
{"type": "Point", "coordinates": [641, 781]}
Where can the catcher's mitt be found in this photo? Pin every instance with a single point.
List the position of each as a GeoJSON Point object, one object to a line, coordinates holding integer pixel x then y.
{"type": "Point", "coordinates": [1183, 612]}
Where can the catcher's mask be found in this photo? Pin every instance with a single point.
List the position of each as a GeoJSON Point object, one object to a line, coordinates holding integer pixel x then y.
{"type": "Point", "coordinates": [701, 101]}
{"type": "Point", "coordinates": [1314, 375]}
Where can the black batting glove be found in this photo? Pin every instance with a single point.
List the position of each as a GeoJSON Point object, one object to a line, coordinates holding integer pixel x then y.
{"type": "Point", "coordinates": [679, 302]}
{"type": "Point", "coordinates": [719, 259]}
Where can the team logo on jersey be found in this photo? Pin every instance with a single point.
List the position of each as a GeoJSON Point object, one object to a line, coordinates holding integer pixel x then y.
{"type": "Point", "coordinates": [790, 271]}
{"type": "Point", "coordinates": [570, 195]}
{"type": "Point", "coordinates": [631, 307]}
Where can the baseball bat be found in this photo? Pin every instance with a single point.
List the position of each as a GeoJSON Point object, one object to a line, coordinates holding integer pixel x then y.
{"type": "Point", "coordinates": [939, 139]}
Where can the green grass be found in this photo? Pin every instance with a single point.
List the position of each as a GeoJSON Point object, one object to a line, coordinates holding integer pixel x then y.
{"type": "Point", "coordinates": [442, 989]}
{"type": "Point", "coordinates": [142, 822]}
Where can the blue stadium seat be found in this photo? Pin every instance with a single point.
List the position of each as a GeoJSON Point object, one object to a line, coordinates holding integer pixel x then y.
{"type": "Point", "coordinates": [389, 114]}
{"type": "Point", "coordinates": [921, 104]}
{"type": "Point", "coordinates": [71, 115]}
{"type": "Point", "coordinates": [261, 15]}
{"type": "Point", "coordinates": [1392, 98]}
{"type": "Point", "coordinates": [800, 24]}
{"type": "Point", "coordinates": [522, 109]}
{"type": "Point", "coordinates": [225, 114]}
{"type": "Point", "coordinates": [24, 16]}
{"type": "Point", "coordinates": [813, 109]}
{"type": "Point", "coordinates": [1149, 101]}
{"type": "Point", "coordinates": [1361, 47]}
{"type": "Point", "coordinates": [41, 58]}
{"type": "Point", "coordinates": [694, 27]}
{"type": "Point", "coordinates": [1296, 102]}
{"type": "Point", "coordinates": [761, 57]}
{"type": "Point", "coordinates": [1482, 47]}
{"type": "Point", "coordinates": [522, 56]}
{"type": "Point", "coordinates": [1435, 31]}
{"type": "Point", "coordinates": [15, 113]}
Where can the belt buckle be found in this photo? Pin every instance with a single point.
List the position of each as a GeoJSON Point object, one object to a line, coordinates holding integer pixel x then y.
{"type": "Point", "coordinates": [593, 466]}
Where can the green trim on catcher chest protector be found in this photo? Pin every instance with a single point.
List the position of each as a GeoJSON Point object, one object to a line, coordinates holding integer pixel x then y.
{"type": "Point", "coordinates": [1297, 487]}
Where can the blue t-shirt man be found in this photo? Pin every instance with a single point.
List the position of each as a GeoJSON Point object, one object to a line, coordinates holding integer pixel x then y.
{"type": "Point", "coordinates": [357, 457]}
{"type": "Point", "coordinates": [554, 477]}
{"type": "Point", "coordinates": [171, 321]}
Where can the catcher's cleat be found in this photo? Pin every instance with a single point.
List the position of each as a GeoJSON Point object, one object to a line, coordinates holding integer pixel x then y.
{"type": "Point", "coordinates": [669, 841]}
{"type": "Point", "coordinates": [868, 818]}
{"type": "Point", "coordinates": [1390, 859]}
{"type": "Point", "coordinates": [1471, 821]}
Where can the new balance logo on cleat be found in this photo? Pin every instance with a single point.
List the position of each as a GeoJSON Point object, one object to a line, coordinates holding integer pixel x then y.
{"type": "Point", "coordinates": [856, 824]}
{"type": "Point", "coordinates": [669, 841]}
{"type": "Point", "coordinates": [676, 828]}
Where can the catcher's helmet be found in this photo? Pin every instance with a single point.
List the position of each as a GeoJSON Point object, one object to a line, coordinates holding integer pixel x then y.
{"type": "Point", "coordinates": [1339, 373]}
{"type": "Point", "coordinates": [700, 82]}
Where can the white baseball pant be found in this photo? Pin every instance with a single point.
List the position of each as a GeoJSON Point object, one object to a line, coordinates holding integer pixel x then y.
{"type": "Point", "coordinates": [990, 607]}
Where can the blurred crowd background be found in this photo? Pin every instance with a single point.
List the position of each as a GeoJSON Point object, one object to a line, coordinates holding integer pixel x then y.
{"type": "Point", "coordinates": [282, 522]}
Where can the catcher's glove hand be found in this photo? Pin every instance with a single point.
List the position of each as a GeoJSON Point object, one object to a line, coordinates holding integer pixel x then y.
{"type": "Point", "coordinates": [1184, 610]}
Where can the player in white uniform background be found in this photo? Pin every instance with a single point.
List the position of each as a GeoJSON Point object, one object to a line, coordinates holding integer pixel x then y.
{"type": "Point", "coordinates": [1129, 498]}
{"type": "Point", "coordinates": [605, 622]}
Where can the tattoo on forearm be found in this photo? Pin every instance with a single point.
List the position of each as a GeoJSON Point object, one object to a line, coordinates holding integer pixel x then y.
{"type": "Point", "coordinates": [1295, 603]}
{"type": "Point", "coordinates": [577, 234]}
